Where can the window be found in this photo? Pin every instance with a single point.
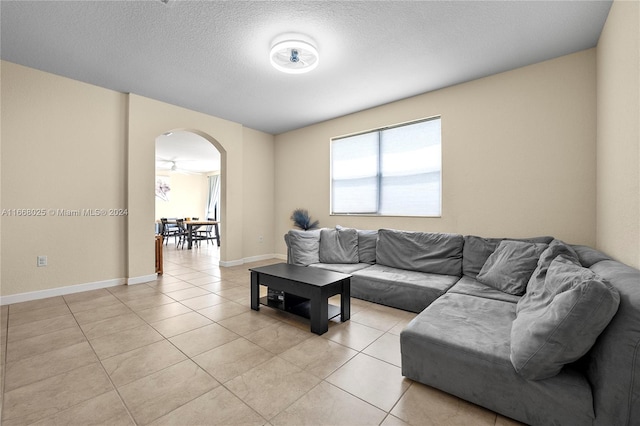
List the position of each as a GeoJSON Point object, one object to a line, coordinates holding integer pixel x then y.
{"type": "Point", "coordinates": [394, 171]}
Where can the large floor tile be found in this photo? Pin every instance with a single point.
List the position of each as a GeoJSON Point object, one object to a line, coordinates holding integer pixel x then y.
{"type": "Point", "coordinates": [278, 337]}
{"type": "Point", "coordinates": [44, 343]}
{"type": "Point", "coordinates": [86, 295]}
{"type": "Point", "coordinates": [39, 367]}
{"type": "Point", "coordinates": [232, 359]}
{"type": "Point", "coordinates": [377, 319]}
{"type": "Point", "coordinates": [425, 405]}
{"type": "Point", "coordinates": [393, 421]}
{"type": "Point", "coordinates": [189, 275]}
{"type": "Point", "coordinates": [155, 395]}
{"type": "Point", "coordinates": [158, 313]}
{"type": "Point", "coordinates": [216, 407]}
{"type": "Point", "coordinates": [187, 293]}
{"type": "Point", "coordinates": [386, 348]}
{"type": "Point", "coordinates": [38, 328]}
{"type": "Point", "coordinates": [105, 409]}
{"type": "Point", "coordinates": [209, 279]}
{"type": "Point", "coordinates": [27, 316]}
{"type": "Point", "coordinates": [133, 292]}
{"type": "Point", "coordinates": [328, 405]}
{"type": "Point", "coordinates": [47, 397]}
{"type": "Point", "coordinates": [124, 341]}
{"type": "Point", "coordinates": [92, 304]}
{"type": "Point", "coordinates": [237, 294]}
{"type": "Point", "coordinates": [202, 339]}
{"type": "Point", "coordinates": [353, 335]}
{"type": "Point", "coordinates": [37, 304]}
{"type": "Point", "coordinates": [204, 301]}
{"type": "Point", "coordinates": [172, 286]}
{"type": "Point", "coordinates": [372, 380]}
{"type": "Point", "coordinates": [319, 356]}
{"type": "Point", "coordinates": [224, 310]}
{"type": "Point", "coordinates": [247, 323]}
{"type": "Point", "coordinates": [180, 324]}
{"type": "Point", "coordinates": [133, 365]}
{"type": "Point", "coordinates": [148, 302]}
{"type": "Point", "coordinates": [99, 314]}
{"type": "Point", "coordinates": [108, 326]}
{"type": "Point", "coordinates": [272, 386]}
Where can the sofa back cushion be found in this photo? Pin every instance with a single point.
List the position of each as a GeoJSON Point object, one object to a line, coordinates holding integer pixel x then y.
{"type": "Point", "coordinates": [420, 251]}
{"type": "Point", "coordinates": [477, 250]}
{"type": "Point", "coordinates": [562, 326]}
{"type": "Point", "coordinates": [367, 245]}
{"type": "Point", "coordinates": [303, 247]}
{"type": "Point", "coordinates": [338, 245]}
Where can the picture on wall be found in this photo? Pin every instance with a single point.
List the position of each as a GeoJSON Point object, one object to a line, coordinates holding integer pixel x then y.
{"type": "Point", "coordinates": [163, 187]}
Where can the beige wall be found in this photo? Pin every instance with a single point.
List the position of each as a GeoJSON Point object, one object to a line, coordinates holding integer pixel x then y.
{"type": "Point", "coordinates": [518, 155]}
{"type": "Point", "coordinates": [62, 148]}
{"type": "Point", "coordinates": [70, 145]}
{"type": "Point", "coordinates": [187, 198]}
{"type": "Point", "coordinates": [618, 137]}
{"type": "Point", "coordinates": [258, 200]}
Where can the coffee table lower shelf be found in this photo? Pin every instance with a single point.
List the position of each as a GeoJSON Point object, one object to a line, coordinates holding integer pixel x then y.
{"type": "Point", "coordinates": [300, 308]}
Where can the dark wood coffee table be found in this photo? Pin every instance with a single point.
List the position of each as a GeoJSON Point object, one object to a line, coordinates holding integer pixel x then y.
{"type": "Point", "coordinates": [306, 292]}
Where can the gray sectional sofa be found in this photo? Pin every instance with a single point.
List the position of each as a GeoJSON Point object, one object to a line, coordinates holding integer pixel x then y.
{"type": "Point", "coordinates": [535, 329]}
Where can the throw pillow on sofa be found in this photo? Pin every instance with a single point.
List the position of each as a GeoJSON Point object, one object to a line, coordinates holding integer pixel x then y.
{"type": "Point", "coordinates": [561, 328]}
{"type": "Point", "coordinates": [338, 245]}
{"type": "Point", "coordinates": [303, 246]}
{"type": "Point", "coordinates": [477, 250]}
{"type": "Point", "coordinates": [509, 268]}
{"type": "Point", "coordinates": [536, 290]}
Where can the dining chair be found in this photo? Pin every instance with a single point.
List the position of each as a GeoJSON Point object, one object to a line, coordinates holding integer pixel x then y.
{"type": "Point", "coordinates": [168, 229]}
{"type": "Point", "coordinates": [182, 233]}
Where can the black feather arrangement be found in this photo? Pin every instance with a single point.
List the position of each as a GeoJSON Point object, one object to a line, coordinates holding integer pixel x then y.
{"type": "Point", "coordinates": [302, 220]}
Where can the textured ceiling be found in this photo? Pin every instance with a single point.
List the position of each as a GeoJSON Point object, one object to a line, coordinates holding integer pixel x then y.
{"type": "Point", "coordinates": [213, 56]}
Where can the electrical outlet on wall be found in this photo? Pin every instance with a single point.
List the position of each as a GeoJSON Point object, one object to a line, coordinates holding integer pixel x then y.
{"type": "Point", "coordinates": [260, 239]}
{"type": "Point", "coordinates": [42, 261]}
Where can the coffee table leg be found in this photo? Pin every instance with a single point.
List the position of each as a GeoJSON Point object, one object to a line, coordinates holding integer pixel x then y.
{"type": "Point", "coordinates": [345, 300]}
{"type": "Point", "coordinates": [255, 291]}
{"type": "Point", "coordinates": [319, 312]}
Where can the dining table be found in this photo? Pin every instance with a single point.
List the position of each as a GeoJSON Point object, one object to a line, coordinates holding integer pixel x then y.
{"type": "Point", "coordinates": [193, 225]}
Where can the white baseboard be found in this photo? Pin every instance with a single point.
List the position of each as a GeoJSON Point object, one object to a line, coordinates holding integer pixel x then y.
{"type": "Point", "coordinates": [142, 279]}
{"type": "Point", "coordinates": [240, 262]}
{"type": "Point", "coordinates": [60, 291]}
{"type": "Point", "coordinates": [229, 263]}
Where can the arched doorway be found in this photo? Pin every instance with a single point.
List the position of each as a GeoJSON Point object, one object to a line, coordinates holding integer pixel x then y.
{"type": "Point", "coordinates": [189, 176]}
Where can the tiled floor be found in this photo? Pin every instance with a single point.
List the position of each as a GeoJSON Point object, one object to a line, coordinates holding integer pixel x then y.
{"type": "Point", "coordinates": [187, 350]}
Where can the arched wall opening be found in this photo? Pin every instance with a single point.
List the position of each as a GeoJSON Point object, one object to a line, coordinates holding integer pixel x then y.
{"type": "Point", "coordinates": [149, 118]}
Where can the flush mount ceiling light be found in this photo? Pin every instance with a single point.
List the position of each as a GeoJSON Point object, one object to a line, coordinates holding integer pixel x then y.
{"type": "Point", "coordinates": [294, 56]}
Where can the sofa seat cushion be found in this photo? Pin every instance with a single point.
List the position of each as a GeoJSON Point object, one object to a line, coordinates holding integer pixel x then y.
{"type": "Point", "coordinates": [420, 251]}
{"type": "Point", "coordinates": [345, 268]}
{"type": "Point", "coordinates": [473, 287]}
{"type": "Point", "coordinates": [460, 344]}
{"type": "Point", "coordinates": [408, 290]}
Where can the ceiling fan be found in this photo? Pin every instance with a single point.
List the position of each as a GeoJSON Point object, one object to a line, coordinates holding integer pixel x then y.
{"type": "Point", "coordinates": [171, 165]}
